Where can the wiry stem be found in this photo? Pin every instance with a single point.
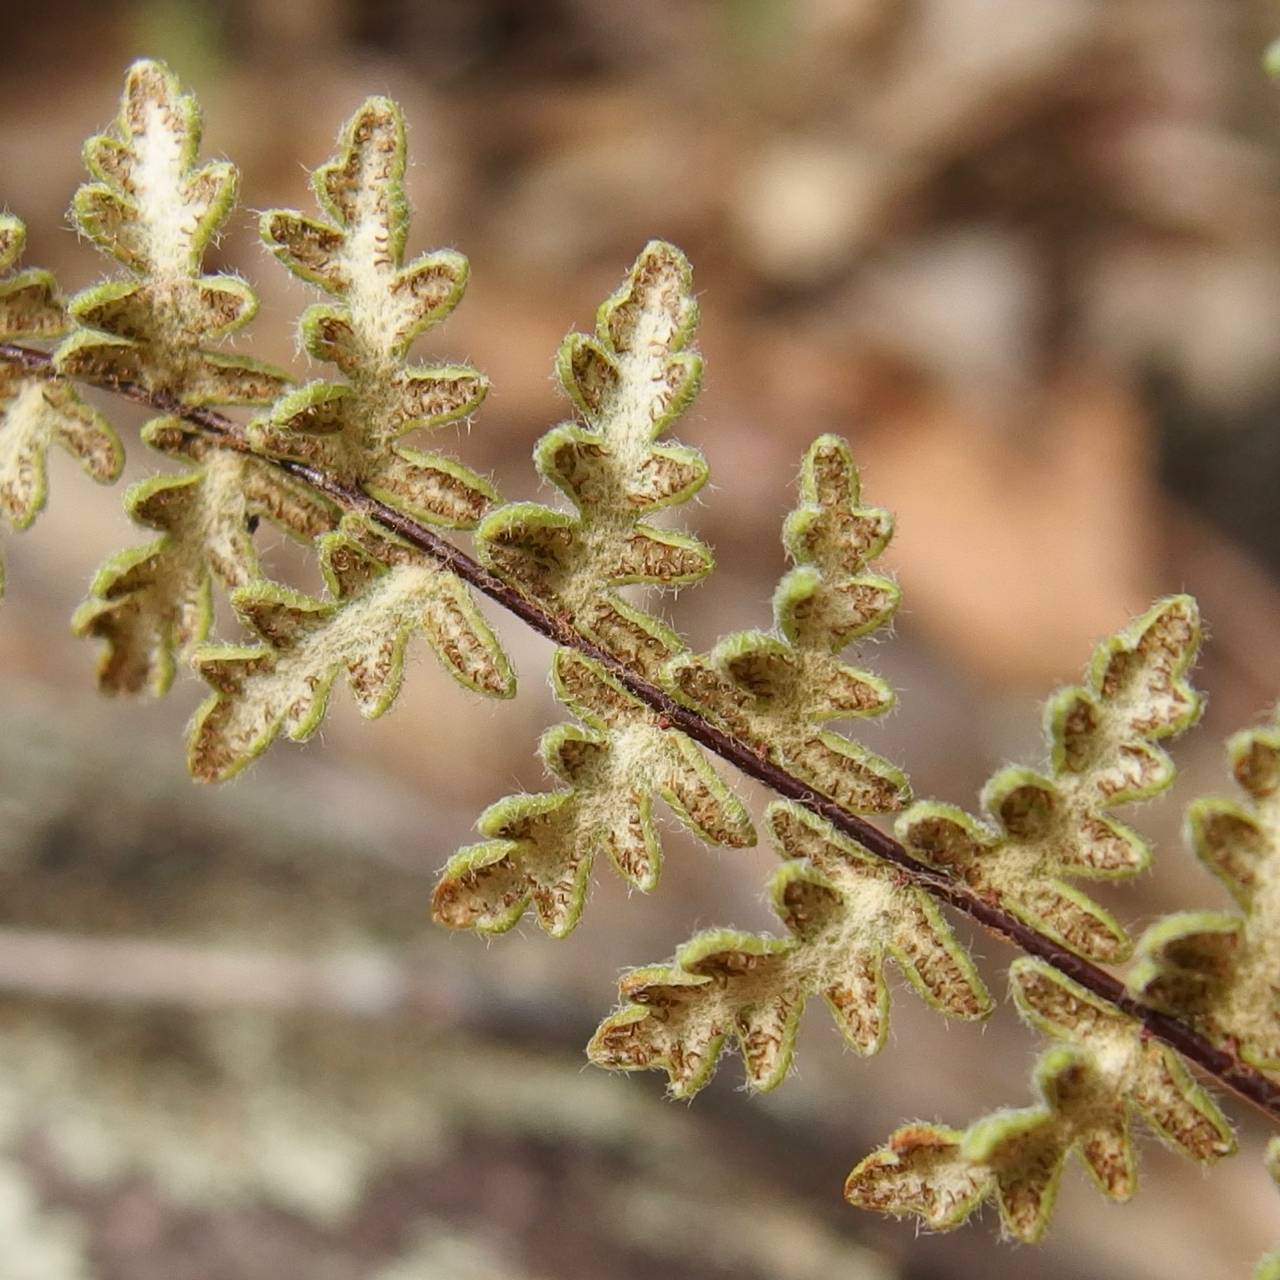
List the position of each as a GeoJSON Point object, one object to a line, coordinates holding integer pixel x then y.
{"type": "Point", "coordinates": [1227, 1069]}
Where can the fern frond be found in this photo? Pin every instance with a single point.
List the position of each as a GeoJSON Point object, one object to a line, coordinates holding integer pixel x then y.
{"type": "Point", "coordinates": [847, 912]}
{"type": "Point", "coordinates": [1090, 1086]}
{"type": "Point", "coordinates": [152, 209]}
{"type": "Point", "coordinates": [37, 410]}
{"type": "Point", "coordinates": [380, 591]}
{"type": "Point", "coordinates": [630, 381]}
{"type": "Point", "coordinates": [778, 689]}
{"type": "Point", "coordinates": [350, 429]}
{"type": "Point", "coordinates": [1220, 971]}
{"type": "Point", "coordinates": [850, 897]}
{"type": "Point", "coordinates": [542, 847]}
{"type": "Point", "coordinates": [1103, 740]}
{"type": "Point", "coordinates": [154, 602]}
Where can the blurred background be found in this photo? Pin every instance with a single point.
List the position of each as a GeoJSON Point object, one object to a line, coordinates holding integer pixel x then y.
{"type": "Point", "coordinates": [1024, 254]}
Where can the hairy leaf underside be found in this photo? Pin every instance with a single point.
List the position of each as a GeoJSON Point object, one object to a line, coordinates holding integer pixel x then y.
{"type": "Point", "coordinates": [37, 411]}
{"type": "Point", "coordinates": [777, 689]}
{"type": "Point", "coordinates": [352, 427]}
{"type": "Point", "coordinates": [1221, 970]}
{"type": "Point", "coordinates": [380, 592]}
{"type": "Point", "coordinates": [1103, 1072]}
{"type": "Point", "coordinates": [847, 913]}
{"type": "Point", "coordinates": [629, 381]}
{"type": "Point", "coordinates": [1048, 828]}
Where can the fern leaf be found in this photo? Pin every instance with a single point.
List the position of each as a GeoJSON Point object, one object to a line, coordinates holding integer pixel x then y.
{"type": "Point", "coordinates": [847, 912]}
{"type": "Point", "coordinates": [542, 847]}
{"type": "Point", "coordinates": [629, 381]}
{"type": "Point", "coordinates": [1090, 1086]}
{"type": "Point", "coordinates": [38, 411]}
{"type": "Point", "coordinates": [351, 428]}
{"type": "Point", "coordinates": [152, 603]}
{"type": "Point", "coordinates": [381, 590]}
{"type": "Point", "coordinates": [153, 210]}
{"type": "Point", "coordinates": [1222, 971]}
{"type": "Point", "coordinates": [778, 689]}
{"type": "Point", "coordinates": [1103, 739]}
{"type": "Point", "coordinates": [30, 306]}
